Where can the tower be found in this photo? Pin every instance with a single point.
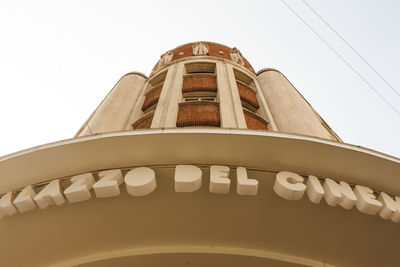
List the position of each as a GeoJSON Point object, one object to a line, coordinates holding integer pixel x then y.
{"type": "Point", "coordinates": [205, 84]}
{"type": "Point", "coordinates": [204, 162]}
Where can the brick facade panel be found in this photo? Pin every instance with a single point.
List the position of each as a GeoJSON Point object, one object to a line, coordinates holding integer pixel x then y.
{"type": "Point", "coordinates": [198, 114]}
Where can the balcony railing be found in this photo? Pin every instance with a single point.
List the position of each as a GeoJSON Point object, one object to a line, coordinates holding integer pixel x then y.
{"type": "Point", "coordinates": [255, 122]}
{"type": "Point", "coordinates": [198, 113]}
{"type": "Point", "coordinates": [152, 97]}
{"type": "Point", "coordinates": [248, 95]}
{"type": "Point", "coordinates": [144, 122]}
{"type": "Point", "coordinates": [199, 82]}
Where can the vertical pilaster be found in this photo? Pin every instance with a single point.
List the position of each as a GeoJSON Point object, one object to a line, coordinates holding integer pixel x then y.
{"type": "Point", "coordinates": [175, 96]}
{"type": "Point", "coordinates": [237, 105]}
{"type": "Point", "coordinates": [162, 105]}
{"type": "Point", "coordinates": [137, 109]}
{"type": "Point", "coordinates": [265, 108]}
{"type": "Point", "coordinates": [227, 110]}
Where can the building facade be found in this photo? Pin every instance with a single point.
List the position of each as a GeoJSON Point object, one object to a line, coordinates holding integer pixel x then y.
{"type": "Point", "coordinates": [206, 84]}
{"type": "Point", "coordinates": [204, 162]}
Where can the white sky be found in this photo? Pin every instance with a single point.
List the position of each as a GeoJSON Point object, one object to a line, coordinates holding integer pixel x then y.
{"type": "Point", "coordinates": [59, 59]}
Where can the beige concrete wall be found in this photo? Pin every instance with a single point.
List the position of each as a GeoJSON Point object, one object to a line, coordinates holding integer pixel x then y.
{"type": "Point", "coordinates": [113, 113]}
{"type": "Point", "coordinates": [227, 106]}
{"type": "Point", "coordinates": [240, 120]}
{"type": "Point", "coordinates": [164, 103]}
{"type": "Point", "coordinates": [175, 96]}
{"type": "Point", "coordinates": [290, 111]}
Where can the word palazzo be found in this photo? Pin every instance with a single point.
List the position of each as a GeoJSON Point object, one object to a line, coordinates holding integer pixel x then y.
{"type": "Point", "coordinates": [139, 181]}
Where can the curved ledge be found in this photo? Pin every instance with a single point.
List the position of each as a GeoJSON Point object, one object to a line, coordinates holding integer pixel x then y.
{"type": "Point", "coordinates": [267, 69]}
{"type": "Point", "coordinates": [266, 257]}
{"type": "Point", "coordinates": [136, 73]}
{"type": "Point", "coordinates": [253, 149]}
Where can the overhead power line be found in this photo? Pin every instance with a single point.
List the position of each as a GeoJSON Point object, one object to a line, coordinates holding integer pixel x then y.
{"type": "Point", "coordinates": [342, 58]}
{"type": "Point", "coordinates": [352, 48]}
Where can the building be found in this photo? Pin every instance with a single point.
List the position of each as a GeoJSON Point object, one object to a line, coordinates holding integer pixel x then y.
{"type": "Point", "coordinates": [204, 162]}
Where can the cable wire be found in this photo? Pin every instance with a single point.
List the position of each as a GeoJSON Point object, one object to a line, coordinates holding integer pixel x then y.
{"type": "Point", "coordinates": [344, 60]}
{"type": "Point", "coordinates": [358, 54]}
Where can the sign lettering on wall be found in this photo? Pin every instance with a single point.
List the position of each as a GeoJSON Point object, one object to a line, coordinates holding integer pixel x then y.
{"type": "Point", "coordinates": [142, 181]}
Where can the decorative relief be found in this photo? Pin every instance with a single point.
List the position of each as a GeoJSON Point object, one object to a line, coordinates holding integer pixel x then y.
{"type": "Point", "coordinates": [236, 56]}
{"type": "Point", "coordinates": [165, 59]}
{"type": "Point", "coordinates": [200, 49]}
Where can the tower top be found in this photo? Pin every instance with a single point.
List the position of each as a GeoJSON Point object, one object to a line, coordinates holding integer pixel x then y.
{"type": "Point", "coordinates": [202, 48]}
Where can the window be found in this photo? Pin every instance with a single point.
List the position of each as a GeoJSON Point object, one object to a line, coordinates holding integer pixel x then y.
{"type": "Point", "coordinates": [153, 92]}
{"type": "Point", "coordinates": [199, 106]}
{"type": "Point", "coordinates": [151, 97]}
{"type": "Point", "coordinates": [244, 78]}
{"type": "Point", "coordinates": [198, 98]}
{"type": "Point", "coordinates": [199, 82]}
{"type": "Point", "coordinates": [248, 97]}
{"type": "Point", "coordinates": [144, 122]}
{"type": "Point", "coordinates": [247, 92]}
{"type": "Point", "coordinates": [200, 67]}
{"type": "Point", "coordinates": [159, 78]}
